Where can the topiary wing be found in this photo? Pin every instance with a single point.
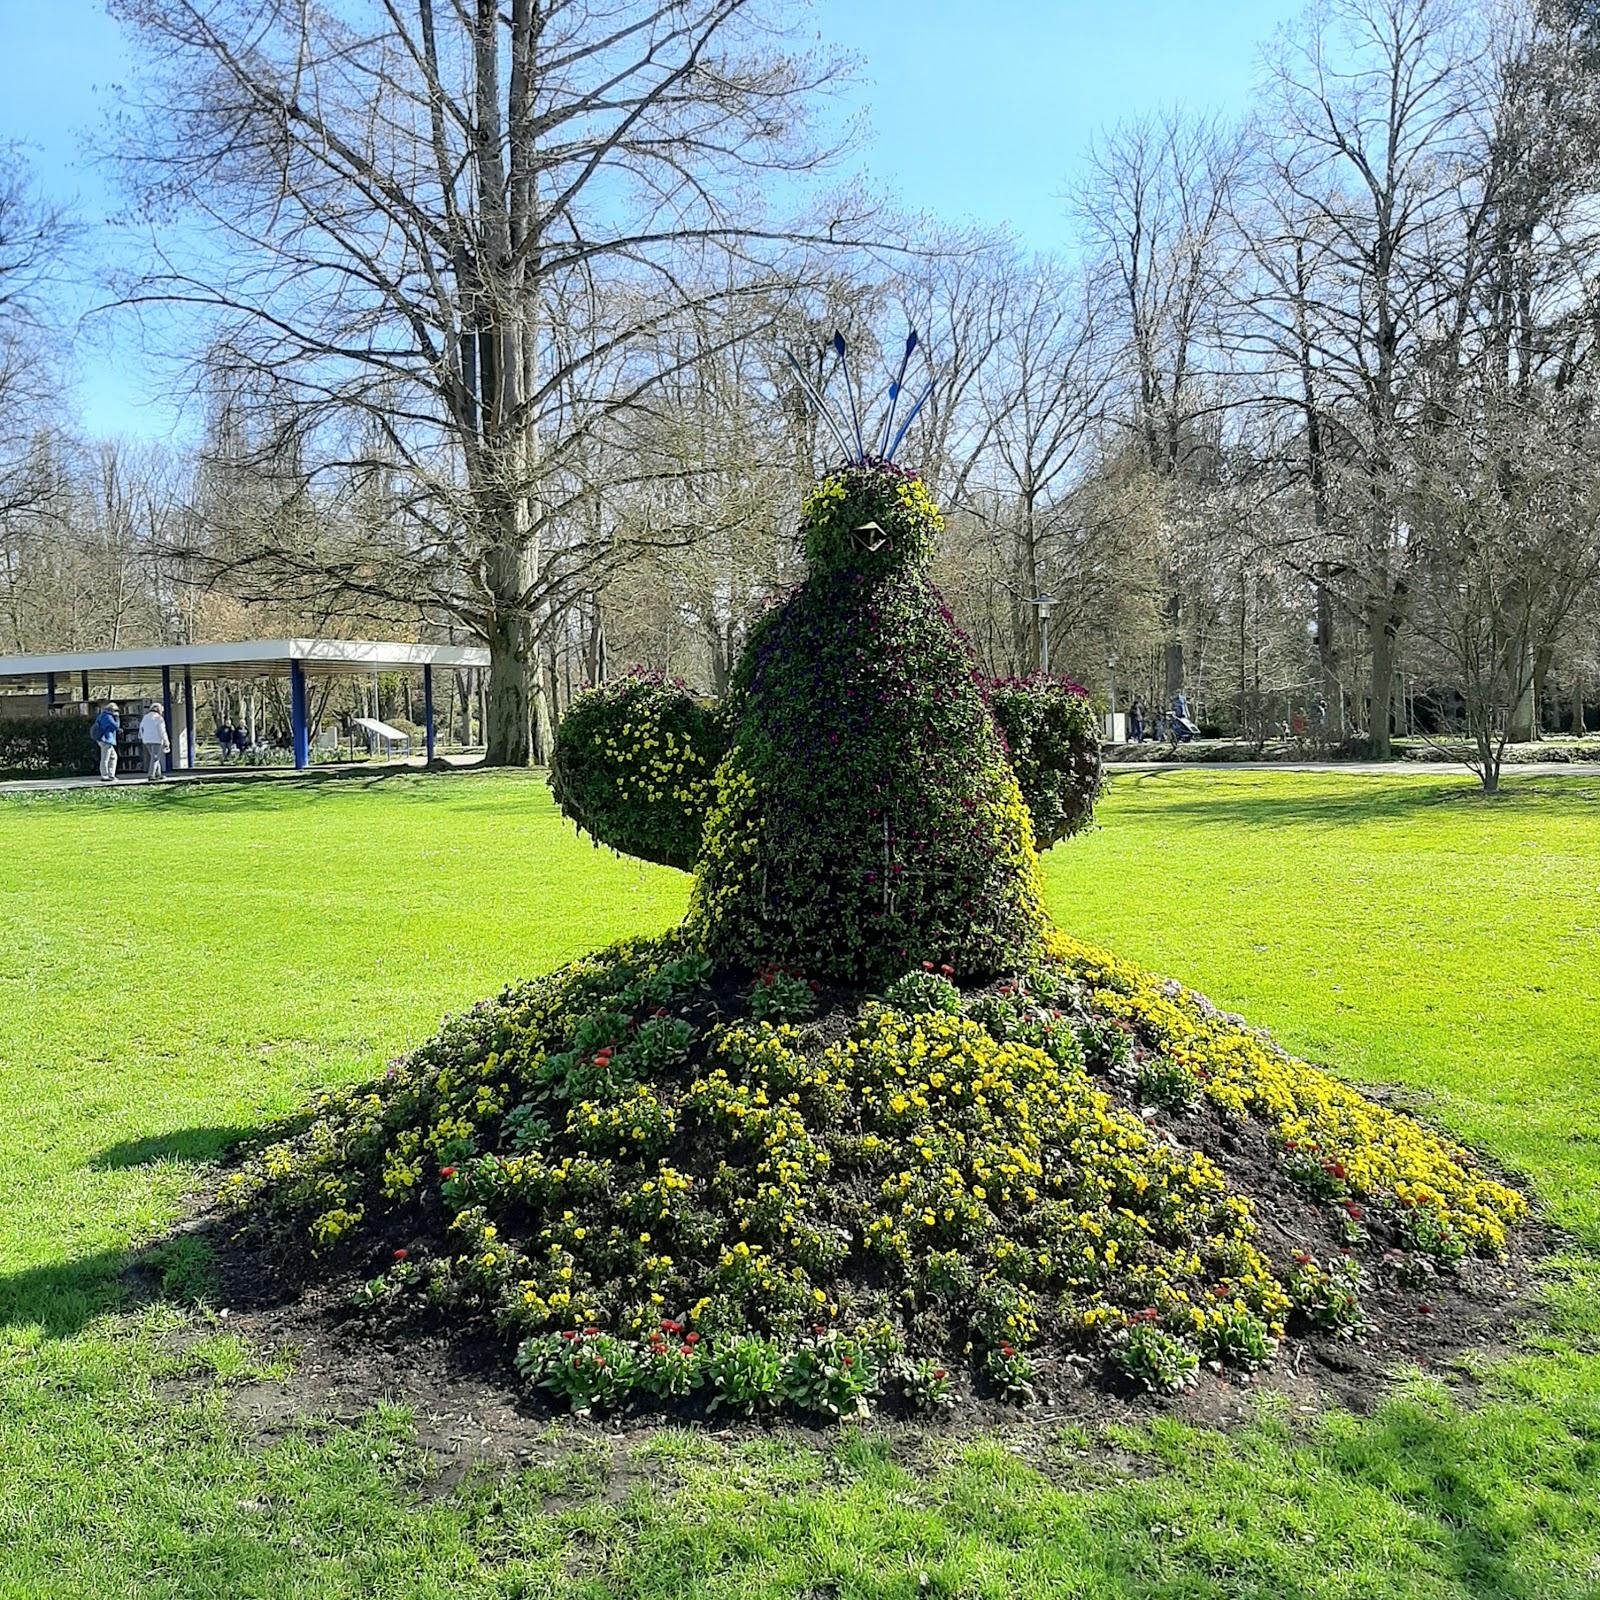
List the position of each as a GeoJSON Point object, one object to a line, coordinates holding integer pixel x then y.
{"type": "Point", "coordinates": [632, 767]}
{"type": "Point", "coordinates": [1050, 732]}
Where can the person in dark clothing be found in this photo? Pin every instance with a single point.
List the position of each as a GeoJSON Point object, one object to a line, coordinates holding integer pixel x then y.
{"type": "Point", "coordinates": [1136, 723]}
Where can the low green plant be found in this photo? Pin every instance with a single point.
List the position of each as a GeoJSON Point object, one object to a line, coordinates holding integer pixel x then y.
{"type": "Point", "coordinates": [779, 996]}
{"type": "Point", "coordinates": [1011, 1372]}
{"type": "Point", "coordinates": [1150, 1355]}
{"type": "Point", "coordinates": [925, 992]}
{"type": "Point", "coordinates": [660, 1044]}
{"type": "Point", "coordinates": [1425, 1230]}
{"type": "Point", "coordinates": [832, 1375]}
{"type": "Point", "coordinates": [671, 1363]}
{"type": "Point", "coordinates": [1161, 1081]}
{"type": "Point", "coordinates": [588, 1370]}
{"type": "Point", "coordinates": [998, 1015]}
{"type": "Point", "coordinates": [1316, 1172]}
{"type": "Point", "coordinates": [1235, 1336]}
{"type": "Point", "coordinates": [1106, 1047]}
{"type": "Point", "coordinates": [925, 1384]}
{"type": "Point", "coordinates": [746, 1373]}
{"type": "Point", "coordinates": [1329, 1297]}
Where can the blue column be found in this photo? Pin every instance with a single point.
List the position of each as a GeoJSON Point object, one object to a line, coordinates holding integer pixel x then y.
{"type": "Point", "coordinates": [300, 722]}
{"type": "Point", "coordinates": [166, 711]}
{"type": "Point", "coordinates": [427, 708]}
{"type": "Point", "coordinates": [188, 719]}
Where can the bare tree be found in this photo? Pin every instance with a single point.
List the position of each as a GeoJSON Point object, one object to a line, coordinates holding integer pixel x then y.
{"type": "Point", "coordinates": [436, 218]}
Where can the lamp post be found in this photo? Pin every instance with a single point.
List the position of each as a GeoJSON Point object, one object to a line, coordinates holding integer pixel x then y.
{"type": "Point", "coordinates": [1042, 603]}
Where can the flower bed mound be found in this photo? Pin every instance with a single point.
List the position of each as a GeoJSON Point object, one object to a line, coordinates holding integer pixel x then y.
{"type": "Point", "coordinates": [671, 1186]}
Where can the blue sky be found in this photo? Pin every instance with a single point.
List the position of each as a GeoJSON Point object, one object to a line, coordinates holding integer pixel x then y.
{"type": "Point", "coordinates": [980, 110]}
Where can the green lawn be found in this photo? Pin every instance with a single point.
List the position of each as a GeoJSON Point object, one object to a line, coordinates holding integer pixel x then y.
{"type": "Point", "coordinates": [177, 966]}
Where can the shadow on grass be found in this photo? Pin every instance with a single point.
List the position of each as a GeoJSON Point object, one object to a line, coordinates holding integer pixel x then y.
{"type": "Point", "coordinates": [1240, 800]}
{"type": "Point", "coordinates": [61, 1298]}
{"type": "Point", "coordinates": [193, 1145]}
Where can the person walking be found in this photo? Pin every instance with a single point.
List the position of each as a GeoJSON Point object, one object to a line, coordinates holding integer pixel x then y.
{"type": "Point", "coordinates": [1136, 723]}
{"type": "Point", "coordinates": [104, 734]}
{"type": "Point", "coordinates": [153, 736]}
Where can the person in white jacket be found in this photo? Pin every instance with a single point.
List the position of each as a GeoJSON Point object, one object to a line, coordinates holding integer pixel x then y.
{"type": "Point", "coordinates": [153, 736]}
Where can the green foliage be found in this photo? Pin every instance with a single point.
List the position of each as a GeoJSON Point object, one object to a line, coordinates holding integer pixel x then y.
{"type": "Point", "coordinates": [1159, 1360]}
{"type": "Point", "coordinates": [587, 1371]}
{"type": "Point", "coordinates": [924, 991]}
{"type": "Point", "coordinates": [779, 996]}
{"type": "Point", "coordinates": [1234, 1336]}
{"type": "Point", "coordinates": [865, 819]}
{"type": "Point", "coordinates": [1054, 744]}
{"type": "Point", "coordinates": [926, 1385]}
{"type": "Point", "coordinates": [1011, 1372]}
{"type": "Point", "coordinates": [1329, 1297]}
{"type": "Point", "coordinates": [1105, 1045]}
{"type": "Point", "coordinates": [746, 1373]}
{"type": "Point", "coordinates": [1161, 1081]}
{"type": "Point", "coordinates": [832, 1375]}
{"type": "Point", "coordinates": [47, 747]}
{"type": "Point", "coordinates": [632, 766]}
{"type": "Point", "coordinates": [867, 521]}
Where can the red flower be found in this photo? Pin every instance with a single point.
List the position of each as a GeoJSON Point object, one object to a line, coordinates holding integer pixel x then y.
{"type": "Point", "coordinates": [599, 1361]}
{"type": "Point", "coordinates": [939, 1375]}
{"type": "Point", "coordinates": [589, 1333]}
{"type": "Point", "coordinates": [848, 1361]}
{"type": "Point", "coordinates": [1425, 1308]}
{"type": "Point", "coordinates": [927, 966]}
{"type": "Point", "coordinates": [1007, 1351]}
{"type": "Point", "coordinates": [400, 1254]}
{"type": "Point", "coordinates": [447, 1172]}
{"type": "Point", "coordinates": [816, 1332]}
{"type": "Point", "coordinates": [1302, 1259]}
{"type": "Point", "coordinates": [691, 1338]}
{"type": "Point", "coordinates": [1353, 1210]}
{"type": "Point", "coordinates": [568, 1333]}
{"type": "Point", "coordinates": [948, 970]}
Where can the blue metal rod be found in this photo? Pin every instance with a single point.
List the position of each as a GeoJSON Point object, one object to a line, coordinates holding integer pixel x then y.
{"type": "Point", "coordinates": [299, 722]}
{"type": "Point", "coordinates": [166, 712]}
{"type": "Point", "coordinates": [427, 708]}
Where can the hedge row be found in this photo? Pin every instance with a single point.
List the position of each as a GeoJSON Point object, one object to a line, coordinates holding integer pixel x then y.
{"type": "Point", "coordinates": [47, 747]}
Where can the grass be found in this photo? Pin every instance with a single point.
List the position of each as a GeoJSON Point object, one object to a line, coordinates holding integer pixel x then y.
{"type": "Point", "coordinates": [175, 967]}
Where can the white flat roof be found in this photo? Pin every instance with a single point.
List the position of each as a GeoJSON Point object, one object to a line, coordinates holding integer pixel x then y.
{"type": "Point", "coordinates": [321, 657]}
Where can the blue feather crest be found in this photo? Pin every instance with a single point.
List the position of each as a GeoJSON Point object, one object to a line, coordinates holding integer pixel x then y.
{"type": "Point", "coordinates": [846, 428]}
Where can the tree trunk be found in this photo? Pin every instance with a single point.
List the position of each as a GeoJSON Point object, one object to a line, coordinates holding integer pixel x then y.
{"type": "Point", "coordinates": [1383, 645]}
{"type": "Point", "coordinates": [508, 732]}
{"type": "Point", "coordinates": [1172, 645]}
{"type": "Point", "coordinates": [1521, 720]}
{"type": "Point", "coordinates": [1328, 659]}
